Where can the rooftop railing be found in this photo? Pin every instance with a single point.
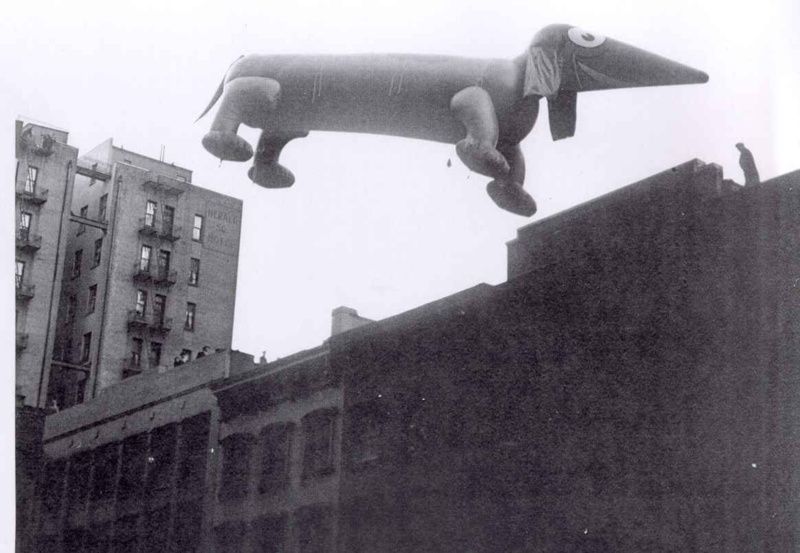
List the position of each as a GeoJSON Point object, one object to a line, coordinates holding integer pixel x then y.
{"type": "Point", "coordinates": [25, 291]}
{"type": "Point", "coordinates": [141, 273]}
{"type": "Point", "coordinates": [164, 183]}
{"type": "Point", "coordinates": [27, 240]}
{"type": "Point", "coordinates": [93, 168]}
{"type": "Point", "coordinates": [35, 196]}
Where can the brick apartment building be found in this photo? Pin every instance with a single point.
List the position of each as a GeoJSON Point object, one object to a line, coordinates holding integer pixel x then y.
{"type": "Point", "coordinates": [46, 166]}
{"type": "Point", "coordinates": [150, 272]}
{"type": "Point", "coordinates": [43, 181]}
{"type": "Point", "coordinates": [631, 387]}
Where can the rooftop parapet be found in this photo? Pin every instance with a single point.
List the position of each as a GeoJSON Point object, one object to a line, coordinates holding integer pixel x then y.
{"type": "Point", "coordinates": [631, 211]}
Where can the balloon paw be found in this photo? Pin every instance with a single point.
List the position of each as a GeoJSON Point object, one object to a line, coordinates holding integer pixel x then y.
{"type": "Point", "coordinates": [511, 197]}
{"type": "Point", "coordinates": [227, 145]}
{"type": "Point", "coordinates": [272, 175]}
{"type": "Point", "coordinates": [482, 158]}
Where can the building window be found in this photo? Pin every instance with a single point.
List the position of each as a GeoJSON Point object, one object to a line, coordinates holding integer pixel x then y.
{"type": "Point", "coordinates": [168, 220]}
{"type": "Point", "coordinates": [318, 428]}
{"type": "Point", "coordinates": [92, 300]}
{"type": "Point", "coordinates": [236, 451]}
{"type": "Point", "coordinates": [163, 264]}
{"type": "Point", "coordinates": [229, 537]}
{"type": "Point", "coordinates": [194, 272]}
{"type": "Point", "coordinates": [197, 229]}
{"type": "Point", "coordinates": [78, 483]}
{"type": "Point", "coordinates": [55, 472]}
{"type": "Point", "coordinates": [368, 423]}
{"type": "Point", "coordinates": [98, 252]}
{"type": "Point", "coordinates": [102, 207]}
{"type": "Point", "coordinates": [144, 259]}
{"type": "Point", "coordinates": [126, 535]}
{"type": "Point", "coordinates": [86, 347]}
{"type": "Point", "coordinates": [141, 302]}
{"type": "Point", "coordinates": [24, 225]}
{"type": "Point", "coordinates": [269, 534]}
{"type": "Point", "coordinates": [314, 529]}
{"type": "Point", "coordinates": [191, 309]}
{"type": "Point", "coordinates": [276, 448]}
{"type": "Point", "coordinates": [162, 459]}
{"type": "Point", "coordinates": [98, 537]}
{"type": "Point", "coordinates": [156, 529]}
{"type": "Point", "coordinates": [187, 527]}
{"type": "Point", "coordinates": [155, 354]}
{"type": "Point", "coordinates": [74, 538]}
{"type": "Point", "coordinates": [72, 307]}
{"type": "Point", "coordinates": [85, 214]}
{"type": "Point", "coordinates": [134, 460]}
{"type": "Point", "coordinates": [67, 353]}
{"type": "Point", "coordinates": [19, 273]}
{"type": "Point", "coordinates": [150, 214]}
{"type": "Point", "coordinates": [159, 306]}
{"type": "Point", "coordinates": [31, 178]}
{"type": "Point", "coordinates": [76, 264]}
{"type": "Point", "coordinates": [104, 478]}
{"type": "Point", "coordinates": [136, 352]}
{"type": "Point", "coordinates": [193, 453]}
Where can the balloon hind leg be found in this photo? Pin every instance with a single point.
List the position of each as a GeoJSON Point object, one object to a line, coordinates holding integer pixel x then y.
{"type": "Point", "coordinates": [266, 170]}
{"type": "Point", "coordinates": [507, 192]}
{"type": "Point", "coordinates": [245, 100]}
{"type": "Point", "coordinates": [474, 108]}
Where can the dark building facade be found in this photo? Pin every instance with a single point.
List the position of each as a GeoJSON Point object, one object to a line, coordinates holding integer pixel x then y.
{"type": "Point", "coordinates": [280, 429]}
{"type": "Point", "coordinates": [632, 387]}
{"type": "Point", "coordinates": [134, 469]}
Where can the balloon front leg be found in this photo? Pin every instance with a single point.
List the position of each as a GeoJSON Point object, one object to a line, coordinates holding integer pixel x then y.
{"type": "Point", "coordinates": [266, 171]}
{"type": "Point", "coordinates": [473, 107]}
{"type": "Point", "coordinates": [246, 100]}
{"type": "Point", "coordinates": [507, 192]}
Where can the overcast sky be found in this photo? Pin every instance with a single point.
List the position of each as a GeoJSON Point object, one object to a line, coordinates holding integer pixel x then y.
{"type": "Point", "coordinates": [382, 224]}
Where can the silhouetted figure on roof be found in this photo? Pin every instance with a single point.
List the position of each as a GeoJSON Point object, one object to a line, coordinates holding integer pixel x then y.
{"type": "Point", "coordinates": [748, 165]}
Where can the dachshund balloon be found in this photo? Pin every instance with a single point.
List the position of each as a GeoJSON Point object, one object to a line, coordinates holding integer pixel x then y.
{"type": "Point", "coordinates": [483, 106]}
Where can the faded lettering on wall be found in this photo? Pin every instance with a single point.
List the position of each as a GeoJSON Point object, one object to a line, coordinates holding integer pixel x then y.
{"type": "Point", "coordinates": [222, 229]}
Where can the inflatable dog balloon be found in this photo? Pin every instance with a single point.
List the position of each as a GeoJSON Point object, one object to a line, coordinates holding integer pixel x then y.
{"type": "Point", "coordinates": [483, 106]}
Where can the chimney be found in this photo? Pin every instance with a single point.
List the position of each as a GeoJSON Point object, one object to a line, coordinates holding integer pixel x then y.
{"type": "Point", "coordinates": [346, 318]}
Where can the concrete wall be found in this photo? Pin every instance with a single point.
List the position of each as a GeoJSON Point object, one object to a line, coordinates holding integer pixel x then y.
{"type": "Point", "coordinates": [136, 394]}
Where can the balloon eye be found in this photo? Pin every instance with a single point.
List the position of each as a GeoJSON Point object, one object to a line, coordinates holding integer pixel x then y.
{"type": "Point", "coordinates": [585, 38]}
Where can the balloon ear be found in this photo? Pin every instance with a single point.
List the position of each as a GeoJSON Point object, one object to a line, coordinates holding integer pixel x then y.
{"type": "Point", "coordinates": [542, 72]}
{"type": "Point", "coordinates": [562, 112]}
